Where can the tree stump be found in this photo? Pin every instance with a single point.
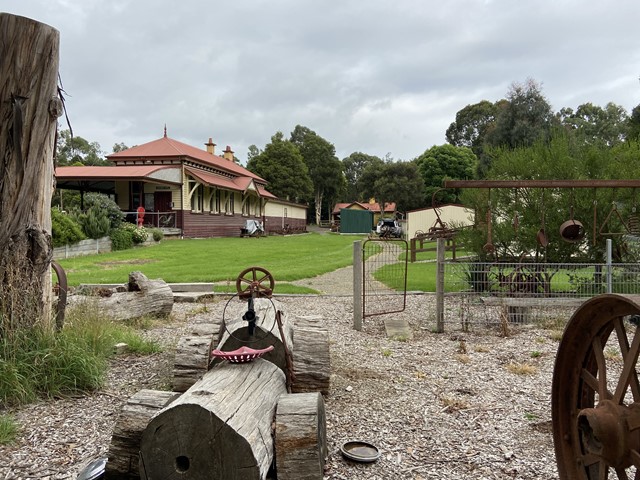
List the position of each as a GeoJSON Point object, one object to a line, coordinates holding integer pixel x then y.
{"type": "Point", "coordinates": [142, 297]}
{"type": "Point", "coordinates": [311, 359]}
{"type": "Point", "coordinates": [29, 110]}
{"type": "Point", "coordinates": [219, 429]}
{"type": "Point", "coordinates": [301, 437]}
{"type": "Point", "coordinates": [193, 354]}
{"type": "Point", "coordinates": [125, 442]}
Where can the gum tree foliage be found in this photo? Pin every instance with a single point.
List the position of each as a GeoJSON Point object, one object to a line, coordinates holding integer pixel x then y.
{"type": "Point", "coordinates": [445, 162]}
{"type": "Point", "coordinates": [400, 182]}
{"type": "Point", "coordinates": [472, 125]}
{"type": "Point", "coordinates": [592, 123]}
{"type": "Point", "coordinates": [634, 124]}
{"type": "Point", "coordinates": [355, 166]}
{"type": "Point", "coordinates": [518, 214]}
{"type": "Point", "coordinates": [282, 165]}
{"type": "Point", "coordinates": [325, 169]}
{"type": "Point", "coordinates": [78, 151]}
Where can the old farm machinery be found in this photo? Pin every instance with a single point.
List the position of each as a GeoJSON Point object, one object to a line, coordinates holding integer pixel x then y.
{"type": "Point", "coordinates": [244, 389]}
{"type": "Point", "coordinates": [596, 392]}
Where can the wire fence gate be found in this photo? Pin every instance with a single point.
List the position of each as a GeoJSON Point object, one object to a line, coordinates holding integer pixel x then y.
{"type": "Point", "coordinates": [384, 265]}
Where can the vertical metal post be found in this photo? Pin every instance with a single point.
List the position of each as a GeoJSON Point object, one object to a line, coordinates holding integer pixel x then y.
{"type": "Point", "coordinates": [357, 285]}
{"type": "Point", "coordinates": [609, 266]}
{"type": "Point", "coordinates": [440, 285]}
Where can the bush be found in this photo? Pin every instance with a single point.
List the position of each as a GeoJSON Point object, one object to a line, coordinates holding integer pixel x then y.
{"type": "Point", "coordinates": [138, 234]}
{"type": "Point", "coordinates": [157, 234]}
{"type": "Point", "coordinates": [95, 223]}
{"type": "Point", "coordinates": [64, 229]}
{"type": "Point", "coordinates": [108, 208]}
{"type": "Point", "coordinates": [121, 239]}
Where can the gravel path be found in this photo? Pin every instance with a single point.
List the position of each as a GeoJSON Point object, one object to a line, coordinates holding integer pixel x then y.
{"type": "Point", "coordinates": [439, 406]}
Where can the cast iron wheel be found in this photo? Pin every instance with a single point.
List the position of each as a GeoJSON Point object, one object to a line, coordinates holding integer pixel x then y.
{"type": "Point", "coordinates": [257, 280]}
{"type": "Point", "coordinates": [595, 396]}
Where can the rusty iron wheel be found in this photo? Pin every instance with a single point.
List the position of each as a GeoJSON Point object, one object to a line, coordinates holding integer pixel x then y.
{"type": "Point", "coordinates": [255, 280]}
{"type": "Point", "coordinates": [595, 395]}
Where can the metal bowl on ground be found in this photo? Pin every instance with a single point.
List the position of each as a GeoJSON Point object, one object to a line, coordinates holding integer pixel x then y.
{"type": "Point", "coordinates": [359, 451]}
{"type": "Point", "coordinates": [94, 470]}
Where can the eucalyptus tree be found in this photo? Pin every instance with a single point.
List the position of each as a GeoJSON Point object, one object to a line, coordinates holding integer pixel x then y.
{"type": "Point", "coordinates": [325, 169]}
{"type": "Point", "coordinates": [445, 162]}
{"type": "Point", "coordinates": [282, 165]}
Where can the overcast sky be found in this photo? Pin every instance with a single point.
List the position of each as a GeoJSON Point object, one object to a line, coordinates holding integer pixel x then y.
{"type": "Point", "coordinates": [380, 77]}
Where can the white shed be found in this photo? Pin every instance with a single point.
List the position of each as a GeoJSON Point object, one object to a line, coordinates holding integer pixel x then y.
{"type": "Point", "coordinates": [426, 218]}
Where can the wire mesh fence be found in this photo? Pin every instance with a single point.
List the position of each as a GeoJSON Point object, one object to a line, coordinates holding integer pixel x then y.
{"type": "Point", "coordinates": [480, 294]}
{"type": "Point", "coordinates": [382, 270]}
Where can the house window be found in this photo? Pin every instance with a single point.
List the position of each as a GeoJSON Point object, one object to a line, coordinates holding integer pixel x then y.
{"type": "Point", "coordinates": [258, 210]}
{"type": "Point", "coordinates": [197, 197]}
{"type": "Point", "coordinates": [215, 202]}
{"type": "Point", "coordinates": [228, 204]}
{"type": "Point", "coordinates": [246, 206]}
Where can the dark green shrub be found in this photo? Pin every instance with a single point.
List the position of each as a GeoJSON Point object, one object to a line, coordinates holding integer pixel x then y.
{"type": "Point", "coordinates": [157, 234]}
{"type": "Point", "coordinates": [95, 223]}
{"type": "Point", "coordinates": [108, 207]}
{"type": "Point", "coordinates": [64, 229]}
{"type": "Point", "coordinates": [121, 239]}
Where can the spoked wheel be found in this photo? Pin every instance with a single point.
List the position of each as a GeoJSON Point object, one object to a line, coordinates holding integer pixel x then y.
{"type": "Point", "coordinates": [595, 395]}
{"type": "Point", "coordinates": [257, 280]}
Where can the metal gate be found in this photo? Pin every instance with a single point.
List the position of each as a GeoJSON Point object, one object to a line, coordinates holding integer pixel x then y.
{"type": "Point", "coordinates": [384, 265]}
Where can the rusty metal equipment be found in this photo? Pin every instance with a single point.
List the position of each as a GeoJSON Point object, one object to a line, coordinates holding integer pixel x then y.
{"type": "Point", "coordinates": [257, 282]}
{"type": "Point", "coordinates": [596, 392]}
{"type": "Point", "coordinates": [60, 290]}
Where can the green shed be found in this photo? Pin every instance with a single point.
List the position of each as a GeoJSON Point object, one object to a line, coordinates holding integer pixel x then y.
{"type": "Point", "coordinates": [355, 221]}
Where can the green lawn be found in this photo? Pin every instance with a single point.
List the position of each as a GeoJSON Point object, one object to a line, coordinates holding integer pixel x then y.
{"type": "Point", "coordinates": [288, 258]}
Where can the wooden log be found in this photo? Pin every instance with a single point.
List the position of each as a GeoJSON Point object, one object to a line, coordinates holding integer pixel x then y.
{"type": "Point", "coordinates": [29, 110]}
{"type": "Point", "coordinates": [301, 437]}
{"type": "Point", "coordinates": [235, 332]}
{"type": "Point", "coordinates": [142, 297]}
{"type": "Point", "coordinates": [311, 359]}
{"type": "Point", "coordinates": [219, 429]}
{"type": "Point", "coordinates": [193, 355]}
{"type": "Point", "coordinates": [125, 442]}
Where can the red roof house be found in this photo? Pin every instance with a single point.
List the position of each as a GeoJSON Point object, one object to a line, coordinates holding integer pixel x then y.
{"type": "Point", "coordinates": [181, 187]}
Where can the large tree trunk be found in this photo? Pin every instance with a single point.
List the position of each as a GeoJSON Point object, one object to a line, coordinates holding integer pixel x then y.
{"type": "Point", "coordinates": [141, 297]}
{"type": "Point", "coordinates": [318, 201]}
{"type": "Point", "coordinates": [29, 108]}
{"type": "Point", "coordinates": [219, 429]}
{"type": "Point", "coordinates": [301, 437]}
{"type": "Point", "coordinates": [127, 432]}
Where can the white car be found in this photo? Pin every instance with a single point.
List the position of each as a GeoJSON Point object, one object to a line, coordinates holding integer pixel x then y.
{"type": "Point", "coordinates": [389, 227]}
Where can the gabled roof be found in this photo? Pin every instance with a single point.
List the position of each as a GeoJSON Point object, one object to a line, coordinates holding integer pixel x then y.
{"type": "Point", "coordinates": [373, 207]}
{"type": "Point", "coordinates": [239, 184]}
{"type": "Point", "coordinates": [166, 147]}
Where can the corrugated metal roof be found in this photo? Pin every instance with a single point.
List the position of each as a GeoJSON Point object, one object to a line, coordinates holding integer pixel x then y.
{"type": "Point", "coordinates": [169, 147]}
{"type": "Point", "coordinates": [120, 172]}
{"type": "Point", "coordinates": [240, 184]}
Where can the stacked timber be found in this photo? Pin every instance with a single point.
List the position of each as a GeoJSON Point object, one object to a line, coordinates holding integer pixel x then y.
{"type": "Point", "coordinates": [137, 298]}
{"type": "Point", "coordinates": [219, 429]}
{"type": "Point", "coordinates": [125, 442]}
{"type": "Point", "coordinates": [192, 355]}
{"type": "Point", "coordinates": [237, 421]}
{"type": "Point", "coordinates": [311, 361]}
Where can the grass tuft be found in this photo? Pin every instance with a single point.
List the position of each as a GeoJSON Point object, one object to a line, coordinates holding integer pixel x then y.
{"type": "Point", "coordinates": [38, 363]}
{"type": "Point", "coordinates": [8, 429]}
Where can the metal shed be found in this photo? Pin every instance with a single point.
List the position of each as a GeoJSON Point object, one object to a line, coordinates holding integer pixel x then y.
{"type": "Point", "coordinates": [355, 221]}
